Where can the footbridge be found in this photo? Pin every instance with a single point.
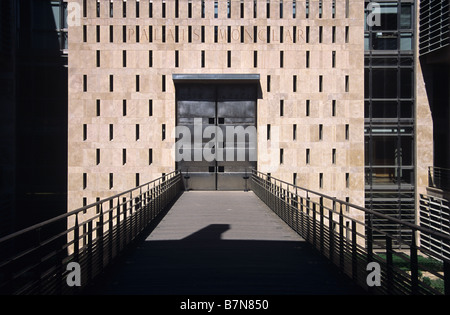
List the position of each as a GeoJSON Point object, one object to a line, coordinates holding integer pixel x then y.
{"type": "Point", "coordinates": [272, 238]}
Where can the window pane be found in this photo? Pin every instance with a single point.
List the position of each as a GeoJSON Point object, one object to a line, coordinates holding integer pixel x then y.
{"type": "Point", "coordinates": [388, 17]}
{"type": "Point", "coordinates": [405, 16]}
{"type": "Point", "coordinates": [384, 41]}
{"type": "Point", "coordinates": [406, 41]}
{"type": "Point", "coordinates": [383, 109]}
{"type": "Point", "coordinates": [384, 83]}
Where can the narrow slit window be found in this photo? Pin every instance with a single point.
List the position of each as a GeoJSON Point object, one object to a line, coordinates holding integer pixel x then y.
{"type": "Point", "coordinates": [346, 34]}
{"type": "Point", "coordinates": [281, 59]}
{"type": "Point", "coordinates": [268, 9]}
{"type": "Point", "coordinates": [137, 33]}
{"type": "Point", "coordinates": [124, 58]}
{"type": "Point", "coordinates": [177, 9]}
{"type": "Point", "coordinates": [111, 8]}
{"type": "Point", "coordinates": [177, 59]}
{"type": "Point", "coordinates": [137, 9]}
{"type": "Point", "coordinates": [189, 8]}
{"type": "Point", "coordinates": [333, 34]}
{"type": "Point", "coordinates": [320, 9]}
{"type": "Point", "coordinates": [307, 107]}
{"type": "Point", "coordinates": [84, 83]}
{"type": "Point", "coordinates": [150, 156]}
{"type": "Point", "coordinates": [294, 83]}
{"type": "Point", "coordinates": [333, 156]}
{"type": "Point", "coordinates": [294, 179]}
{"type": "Point", "coordinates": [268, 35]}
{"type": "Point", "coordinates": [124, 156]}
{"type": "Point", "coordinates": [347, 83]}
{"type": "Point", "coordinates": [307, 58]}
{"type": "Point", "coordinates": [347, 132]}
{"type": "Point", "coordinates": [308, 157]}
{"type": "Point", "coordinates": [281, 156]}
{"type": "Point", "coordinates": [163, 13]}
{"type": "Point", "coordinates": [255, 9]}
{"type": "Point", "coordinates": [203, 34]}
{"type": "Point", "coordinates": [124, 8]}
{"type": "Point", "coordinates": [281, 9]}
{"type": "Point", "coordinates": [84, 8]}
{"type": "Point", "coordinates": [85, 33]}
{"type": "Point", "coordinates": [294, 9]}
{"type": "Point", "coordinates": [97, 33]}
{"type": "Point", "coordinates": [320, 83]}
{"type": "Point", "coordinates": [333, 59]}
{"type": "Point", "coordinates": [97, 156]}
{"type": "Point", "coordinates": [320, 132]}
{"type": "Point", "coordinates": [268, 83]}
{"type": "Point", "coordinates": [111, 83]}
{"type": "Point", "coordinates": [111, 33]}
{"type": "Point", "coordinates": [241, 8]}
{"type": "Point", "coordinates": [320, 180]}
{"type": "Point", "coordinates": [111, 180]}
{"type": "Point", "coordinates": [229, 58]}
{"type": "Point", "coordinates": [98, 108]}
{"type": "Point", "coordinates": [150, 58]}
{"type": "Point", "coordinates": [294, 132]}
{"type": "Point", "coordinates": [177, 33]}
{"type": "Point", "coordinates": [333, 108]}
{"type": "Point", "coordinates": [137, 132]}
{"type": "Point", "coordinates": [203, 9]}
{"type": "Point", "coordinates": [163, 131]}
{"type": "Point", "coordinates": [281, 108]}
{"type": "Point", "coordinates": [307, 8]}
{"type": "Point", "coordinates": [203, 58]}
{"type": "Point", "coordinates": [255, 59]}
{"type": "Point", "coordinates": [320, 33]}
{"type": "Point", "coordinates": [150, 8]}
{"type": "Point", "coordinates": [163, 34]}
{"type": "Point", "coordinates": [137, 179]}
{"type": "Point", "coordinates": [124, 107]}
{"type": "Point", "coordinates": [124, 33]}
{"type": "Point", "coordinates": [84, 132]}
{"type": "Point", "coordinates": [268, 131]}
{"type": "Point", "coordinates": [111, 132]}
{"type": "Point", "coordinates": [347, 180]}
{"type": "Point", "coordinates": [150, 34]}
{"type": "Point", "coordinates": [163, 83]}
{"type": "Point", "coordinates": [84, 180]}
{"type": "Point", "coordinates": [150, 108]}
{"type": "Point", "coordinates": [307, 35]}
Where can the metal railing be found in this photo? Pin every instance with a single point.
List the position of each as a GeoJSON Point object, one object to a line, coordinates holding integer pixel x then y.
{"type": "Point", "coordinates": [35, 260]}
{"type": "Point", "coordinates": [439, 177]}
{"type": "Point", "coordinates": [343, 232]}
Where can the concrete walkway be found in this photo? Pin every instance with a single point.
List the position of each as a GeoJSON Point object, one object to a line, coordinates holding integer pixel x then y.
{"type": "Point", "coordinates": [224, 243]}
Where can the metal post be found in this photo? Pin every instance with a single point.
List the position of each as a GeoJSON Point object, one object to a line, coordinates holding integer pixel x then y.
{"type": "Point", "coordinates": [354, 252]}
{"type": "Point", "coordinates": [321, 225]}
{"type": "Point", "coordinates": [389, 264]}
{"type": "Point", "coordinates": [414, 265]}
{"type": "Point", "coordinates": [341, 238]}
{"type": "Point", "coordinates": [331, 230]}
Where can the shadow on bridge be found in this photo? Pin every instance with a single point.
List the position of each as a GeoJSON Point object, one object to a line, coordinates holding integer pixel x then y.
{"type": "Point", "coordinates": [206, 263]}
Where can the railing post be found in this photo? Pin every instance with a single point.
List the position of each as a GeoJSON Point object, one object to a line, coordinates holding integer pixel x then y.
{"type": "Point", "coordinates": [321, 225]}
{"type": "Point", "coordinates": [389, 264]}
{"type": "Point", "coordinates": [314, 224]}
{"type": "Point", "coordinates": [89, 246]}
{"type": "Point", "coordinates": [100, 236]}
{"type": "Point", "coordinates": [414, 264]}
{"type": "Point", "coordinates": [354, 252]}
{"type": "Point", "coordinates": [331, 230]}
{"type": "Point", "coordinates": [341, 238]}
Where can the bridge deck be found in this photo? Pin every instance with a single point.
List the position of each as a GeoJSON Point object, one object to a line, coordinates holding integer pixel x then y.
{"type": "Point", "coordinates": [223, 243]}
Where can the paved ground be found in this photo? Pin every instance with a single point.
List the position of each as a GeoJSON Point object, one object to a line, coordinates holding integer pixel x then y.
{"type": "Point", "coordinates": [224, 243]}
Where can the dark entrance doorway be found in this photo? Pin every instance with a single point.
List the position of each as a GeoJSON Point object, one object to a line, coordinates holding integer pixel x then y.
{"type": "Point", "coordinates": [216, 139]}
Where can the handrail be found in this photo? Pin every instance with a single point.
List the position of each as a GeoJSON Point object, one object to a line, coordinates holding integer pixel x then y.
{"type": "Point", "coordinates": [34, 259]}
{"type": "Point", "coordinates": [345, 233]}
{"type": "Point", "coordinates": [366, 210]}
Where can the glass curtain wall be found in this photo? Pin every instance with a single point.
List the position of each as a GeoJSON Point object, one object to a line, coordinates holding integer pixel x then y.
{"type": "Point", "coordinates": [389, 112]}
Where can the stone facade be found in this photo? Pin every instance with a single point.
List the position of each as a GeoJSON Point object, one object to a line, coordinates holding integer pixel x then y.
{"type": "Point", "coordinates": [313, 66]}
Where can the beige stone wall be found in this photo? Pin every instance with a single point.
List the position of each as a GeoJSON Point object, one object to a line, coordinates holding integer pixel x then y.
{"type": "Point", "coordinates": [349, 103]}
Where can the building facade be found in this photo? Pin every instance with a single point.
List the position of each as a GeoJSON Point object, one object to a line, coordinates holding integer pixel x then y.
{"type": "Point", "coordinates": [332, 102]}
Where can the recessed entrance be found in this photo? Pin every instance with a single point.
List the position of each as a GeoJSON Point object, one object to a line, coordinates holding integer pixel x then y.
{"type": "Point", "coordinates": [216, 134]}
